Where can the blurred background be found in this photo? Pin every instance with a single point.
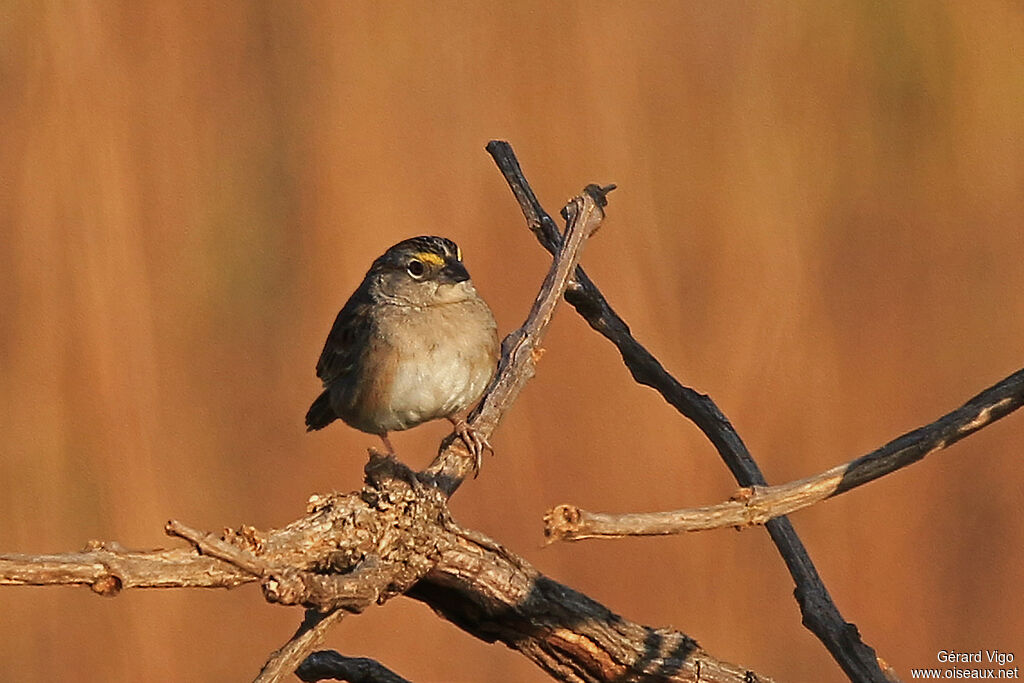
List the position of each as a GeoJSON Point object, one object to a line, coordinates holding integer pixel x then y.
{"type": "Point", "coordinates": [819, 222]}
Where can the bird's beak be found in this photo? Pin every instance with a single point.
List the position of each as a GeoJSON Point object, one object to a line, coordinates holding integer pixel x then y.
{"type": "Point", "coordinates": [454, 272]}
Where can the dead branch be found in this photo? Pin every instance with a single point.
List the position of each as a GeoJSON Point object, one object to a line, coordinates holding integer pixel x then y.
{"type": "Point", "coordinates": [758, 504]}
{"type": "Point", "coordinates": [396, 536]}
{"type": "Point", "coordinates": [291, 655]}
{"type": "Point", "coordinates": [817, 608]}
{"type": "Point", "coordinates": [497, 596]}
{"type": "Point", "coordinates": [107, 568]}
{"type": "Point", "coordinates": [402, 529]}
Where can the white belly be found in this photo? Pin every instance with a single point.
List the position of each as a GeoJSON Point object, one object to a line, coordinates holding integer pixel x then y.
{"type": "Point", "coordinates": [435, 380]}
{"type": "Point", "coordinates": [436, 387]}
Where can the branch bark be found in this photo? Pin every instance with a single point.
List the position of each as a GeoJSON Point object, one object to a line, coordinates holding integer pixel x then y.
{"type": "Point", "coordinates": [759, 504]}
{"type": "Point", "coordinates": [293, 654]}
{"type": "Point", "coordinates": [399, 527]}
{"type": "Point", "coordinates": [819, 612]}
{"type": "Point", "coordinates": [496, 595]}
{"type": "Point", "coordinates": [107, 568]}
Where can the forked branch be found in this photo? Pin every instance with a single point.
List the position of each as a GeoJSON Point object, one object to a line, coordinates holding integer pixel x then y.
{"type": "Point", "coordinates": [820, 613]}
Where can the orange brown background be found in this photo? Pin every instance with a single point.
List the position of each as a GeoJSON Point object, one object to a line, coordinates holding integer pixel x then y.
{"type": "Point", "coordinates": [819, 222]}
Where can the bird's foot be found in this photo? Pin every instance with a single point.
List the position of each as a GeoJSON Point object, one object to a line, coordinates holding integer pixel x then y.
{"type": "Point", "coordinates": [475, 442]}
{"type": "Point", "coordinates": [387, 464]}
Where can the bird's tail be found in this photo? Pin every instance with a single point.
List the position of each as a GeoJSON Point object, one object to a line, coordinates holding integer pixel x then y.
{"type": "Point", "coordinates": [320, 413]}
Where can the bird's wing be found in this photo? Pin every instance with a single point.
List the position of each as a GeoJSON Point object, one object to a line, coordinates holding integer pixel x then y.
{"type": "Point", "coordinates": [348, 339]}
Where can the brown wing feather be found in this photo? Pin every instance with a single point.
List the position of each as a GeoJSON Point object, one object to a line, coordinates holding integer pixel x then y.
{"type": "Point", "coordinates": [347, 340]}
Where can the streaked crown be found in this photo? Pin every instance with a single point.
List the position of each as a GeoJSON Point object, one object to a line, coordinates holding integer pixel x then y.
{"type": "Point", "coordinates": [430, 249]}
{"type": "Point", "coordinates": [427, 257]}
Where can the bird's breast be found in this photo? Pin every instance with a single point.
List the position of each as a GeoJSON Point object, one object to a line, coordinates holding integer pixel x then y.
{"type": "Point", "coordinates": [444, 357]}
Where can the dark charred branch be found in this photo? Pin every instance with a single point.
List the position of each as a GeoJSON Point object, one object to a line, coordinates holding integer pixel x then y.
{"type": "Point", "coordinates": [820, 613]}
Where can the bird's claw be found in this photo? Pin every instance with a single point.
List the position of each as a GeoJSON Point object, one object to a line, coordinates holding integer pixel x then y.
{"type": "Point", "coordinates": [475, 442]}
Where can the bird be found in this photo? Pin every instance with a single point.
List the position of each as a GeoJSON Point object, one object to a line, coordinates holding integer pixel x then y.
{"type": "Point", "coordinates": [415, 342]}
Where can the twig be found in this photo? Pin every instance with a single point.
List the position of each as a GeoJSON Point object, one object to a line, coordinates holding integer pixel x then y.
{"type": "Point", "coordinates": [108, 568]}
{"type": "Point", "coordinates": [330, 665]}
{"type": "Point", "coordinates": [208, 544]}
{"type": "Point", "coordinates": [475, 582]}
{"type": "Point", "coordinates": [310, 635]}
{"type": "Point", "coordinates": [819, 612]}
{"type": "Point", "coordinates": [758, 504]}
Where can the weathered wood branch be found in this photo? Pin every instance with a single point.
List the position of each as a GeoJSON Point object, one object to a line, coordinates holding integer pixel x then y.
{"type": "Point", "coordinates": [819, 612]}
{"type": "Point", "coordinates": [290, 657]}
{"type": "Point", "coordinates": [758, 504]}
{"type": "Point", "coordinates": [107, 568]}
{"type": "Point", "coordinates": [497, 596]}
{"type": "Point", "coordinates": [467, 578]}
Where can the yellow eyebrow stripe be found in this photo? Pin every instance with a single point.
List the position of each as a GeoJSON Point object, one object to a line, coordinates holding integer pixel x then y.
{"type": "Point", "coordinates": [428, 257]}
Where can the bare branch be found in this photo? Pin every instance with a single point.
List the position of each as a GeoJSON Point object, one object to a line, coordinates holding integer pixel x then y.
{"type": "Point", "coordinates": [496, 595]}
{"type": "Point", "coordinates": [469, 579]}
{"type": "Point", "coordinates": [108, 568]}
{"type": "Point", "coordinates": [208, 544]}
{"type": "Point", "coordinates": [758, 504]}
{"type": "Point", "coordinates": [311, 634]}
{"type": "Point", "coordinates": [819, 612]}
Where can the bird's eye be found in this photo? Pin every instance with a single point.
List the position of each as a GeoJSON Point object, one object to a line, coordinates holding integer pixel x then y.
{"type": "Point", "coordinates": [416, 268]}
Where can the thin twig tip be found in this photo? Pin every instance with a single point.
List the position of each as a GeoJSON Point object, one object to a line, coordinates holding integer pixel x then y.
{"type": "Point", "coordinates": [599, 193]}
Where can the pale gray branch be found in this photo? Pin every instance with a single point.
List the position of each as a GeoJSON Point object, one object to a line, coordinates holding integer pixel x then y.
{"type": "Point", "coordinates": [758, 504]}
{"type": "Point", "coordinates": [109, 568]}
